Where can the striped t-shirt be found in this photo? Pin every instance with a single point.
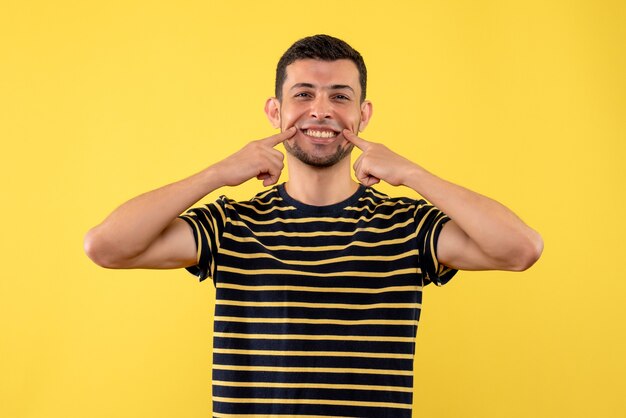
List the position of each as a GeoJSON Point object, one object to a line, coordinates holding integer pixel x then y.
{"type": "Point", "coordinates": [316, 307]}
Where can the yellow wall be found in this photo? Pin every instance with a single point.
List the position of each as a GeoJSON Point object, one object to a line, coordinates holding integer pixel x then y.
{"type": "Point", "coordinates": [524, 101]}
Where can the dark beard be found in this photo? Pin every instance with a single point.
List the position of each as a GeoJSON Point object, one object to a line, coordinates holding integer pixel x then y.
{"type": "Point", "coordinates": [318, 162]}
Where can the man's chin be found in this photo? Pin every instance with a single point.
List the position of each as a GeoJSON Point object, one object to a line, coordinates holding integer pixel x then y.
{"type": "Point", "coordinates": [318, 161]}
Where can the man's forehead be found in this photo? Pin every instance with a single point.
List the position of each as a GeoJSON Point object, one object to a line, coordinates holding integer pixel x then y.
{"type": "Point", "coordinates": [320, 73]}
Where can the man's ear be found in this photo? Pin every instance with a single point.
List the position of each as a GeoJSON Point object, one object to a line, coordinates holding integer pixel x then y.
{"type": "Point", "coordinates": [366, 114]}
{"type": "Point", "coordinates": [272, 111]}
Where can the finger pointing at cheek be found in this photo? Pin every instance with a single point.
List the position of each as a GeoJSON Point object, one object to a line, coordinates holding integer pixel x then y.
{"type": "Point", "coordinates": [281, 137]}
{"type": "Point", "coordinates": [360, 143]}
{"type": "Point", "coordinates": [364, 166]}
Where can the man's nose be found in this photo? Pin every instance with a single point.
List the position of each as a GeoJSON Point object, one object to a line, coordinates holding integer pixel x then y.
{"type": "Point", "coordinates": [321, 108]}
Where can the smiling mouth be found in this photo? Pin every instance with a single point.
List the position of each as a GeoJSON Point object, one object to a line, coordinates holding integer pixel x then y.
{"type": "Point", "coordinates": [315, 133]}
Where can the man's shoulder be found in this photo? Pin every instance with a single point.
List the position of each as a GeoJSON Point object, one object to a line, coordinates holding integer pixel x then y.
{"type": "Point", "coordinates": [376, 198]}
{"type": "Point", "coordinates": [263, 201]}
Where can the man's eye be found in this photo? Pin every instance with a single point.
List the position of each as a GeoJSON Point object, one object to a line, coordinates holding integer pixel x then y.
{"type": "Point", "coordinates": [342, 97]}
{"type": "Point", "coordinates": [303, 94]}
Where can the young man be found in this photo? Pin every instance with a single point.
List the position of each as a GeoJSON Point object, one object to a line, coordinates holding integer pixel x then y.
{"type": "Point", "coordinates": [318, 280]}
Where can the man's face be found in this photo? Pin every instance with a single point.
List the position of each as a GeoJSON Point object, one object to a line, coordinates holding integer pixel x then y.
{"type": "Point", "coordinates": [320, 98]}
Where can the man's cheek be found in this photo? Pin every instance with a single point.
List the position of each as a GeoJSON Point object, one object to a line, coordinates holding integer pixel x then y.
{"type": "Point", "coordinates": [288, 124]}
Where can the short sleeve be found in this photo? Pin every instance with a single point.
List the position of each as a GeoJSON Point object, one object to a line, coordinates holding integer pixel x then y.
{"type": "Point", "coordinates": [430, 221]}
{"type": "Point", "coordinates": [207, 224]}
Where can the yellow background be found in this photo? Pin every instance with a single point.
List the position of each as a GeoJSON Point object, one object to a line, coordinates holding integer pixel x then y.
{"type": "Point", "coordinates": [524, 101]}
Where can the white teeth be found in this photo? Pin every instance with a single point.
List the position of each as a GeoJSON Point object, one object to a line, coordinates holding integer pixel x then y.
{"type": "Point", "coordinates": [320, 134]}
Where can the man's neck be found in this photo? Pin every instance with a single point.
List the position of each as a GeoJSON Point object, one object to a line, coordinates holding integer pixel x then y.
{"type": "Point", "coordinates": [320, 186]}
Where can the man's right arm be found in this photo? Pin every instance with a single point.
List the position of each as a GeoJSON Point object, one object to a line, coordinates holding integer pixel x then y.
{"type": "Point", "coordinates": [145, 232]}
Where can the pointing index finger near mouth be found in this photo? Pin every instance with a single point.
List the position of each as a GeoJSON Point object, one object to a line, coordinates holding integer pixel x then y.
{"type": "Point", "coordinates": [360, 143]}
{"type": "Point", "coordinates": [282, 136]}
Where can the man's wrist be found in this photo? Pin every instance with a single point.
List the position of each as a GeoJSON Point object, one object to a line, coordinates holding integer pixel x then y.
{"type": "Point", "coordinates": [415, 177]}
{"type": "Point", "coordinates": [210, 179]}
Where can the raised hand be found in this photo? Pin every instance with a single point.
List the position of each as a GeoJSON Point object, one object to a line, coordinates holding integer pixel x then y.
{"type": "Point", "coordinates": [377, 162]}
{"type": "Point", "coordinates": [145, 232]}
{"type": "Point", "coordinates": [257, 159]}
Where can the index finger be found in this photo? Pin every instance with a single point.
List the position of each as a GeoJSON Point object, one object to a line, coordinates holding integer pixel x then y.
{"type": "Point", "coordinates": [360, 143]}
{"type": "Point", "coordinates": [280, 137]}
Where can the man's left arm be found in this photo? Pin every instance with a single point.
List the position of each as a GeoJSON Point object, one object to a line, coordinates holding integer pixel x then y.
{"type": "Point", "coordinates": [482, 233]}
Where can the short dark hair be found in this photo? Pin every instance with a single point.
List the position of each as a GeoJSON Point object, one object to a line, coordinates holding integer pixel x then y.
{"type": "Point", "coordinates": [319, 47]}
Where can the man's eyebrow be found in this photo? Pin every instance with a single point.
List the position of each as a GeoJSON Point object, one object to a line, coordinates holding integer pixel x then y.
{"type": "Point", "coordinates": [341, 87]}
{"type": "Point", "coordinates": [311, 86]}
{"type": "Point", "coordinates": [301, 85]}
